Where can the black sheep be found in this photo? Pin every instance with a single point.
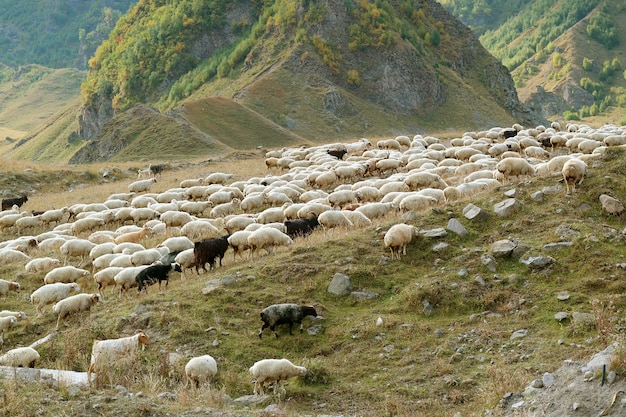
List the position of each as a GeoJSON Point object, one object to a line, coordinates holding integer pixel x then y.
{"type": "Point", "coordinates": [337, 153]}
{"type": "Point", "coordinates": [301, 227]}
{"type": "Point", "coordinates": [284, 314]}
{"type": "Point", "coordinates": [508, 133]}
{"type": "Point", "coordinates": [207, 250]}
{"type": "Point", "coordinates": [156, 169]}
{"type": "Point", "coordinates": [7, 203]}
{"type": "Point", "coordinates": [155, 273]}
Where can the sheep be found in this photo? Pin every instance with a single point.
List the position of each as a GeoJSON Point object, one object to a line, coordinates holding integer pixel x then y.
{"type": "Point", "coordinates": [51, 293]}
{"type": "Point", "coordinates": [153, 274]}
{"type": "Point", "coordinates": [45, 265]}
{"type": "Point", "coordinates": [195, 208]}
{"type": "Point", "coordinates": [191, 182]}
{"type": "Point", "coordinates": [6, 323]}
{"type": "Point", "coordinates": [238, 222]}
{"type": "Point", "coordinates": [267, 238]}
{"type": "Point", "coordinates": [176, 218]}
{"type": "Point", "coordinates": [106, 353]}
{"type": "Point", "coordinates": [273, 370]}
{"type": "Point", "coordinates": [200, 369]}
{"type": "Point", "coordinates": [53, 215]}
{"type": "Point", "coordinates": [74, 304]}
{"type": "Point", "coordinates": [199, 229]}
{"type": "Point", "coordinates": [398, 237]}
{"type": "Point", "coordinates": [239, 242]}
{"type": "Point", "coordinates": [421, 180]}
{"type": "Point", "coordinates": [332, 219]}
{"type": "Point", "coordinates": [271, 215]}
{"type": "Point", "coordinates": [7, 203]}
{"type": "Point", "coordinates": [341, 198]}
{"type": "Point", "coordinates": [27, 222]}
{"type": "Point", "coordinates": [125, 278]}
{"type": "Point", "coordinates": [141, 185]}
{"type": "Point", "coordinates": [177, 243]}
{"type": "Point", "coordinates": [86, 224]}
{"type": "Point", "coordinates": [357, 218]}
{"type": "Point", "coordinates": [217, 178]}
{"type": "Point", "coordinates": [574, 171]}
{"type": "Point", "coordinates": [13, 256]}
{"type": "Point", "coordinates": [134, 237]}
{"type": "Point", "coordinates": [513, 167]}
{"type": "Point", "coordinates": [186, 260]}
{"type": "Point", "coordinates": [300, 227]}
{"type": "Point", "coordinates": [106, 277]}
{"type": "Point", "coordinates": [22, 357]}
{"type": "Point", "coordinates": [143, 214]}
{"type": "Point", "coordinates": [416, 202]}
{"type": "Point", "coordinates": [145, 257]}
{"type": "Point", "coordinates": [223, 210]}
{"type": "Point", "coordinates": [285, 313]}
{"type": "Point", "coordinates": [76, 248]}
{"type": "Point", "coordinates": [65, 274]}
{"type": "Point", "coordinates": [7, 286]}
{"type": "Point", "coordinates": [144, 173]}
{"type": "Point", "coordinates": [376, 210]}
{"type": "Point", "coordinates": [207, 250]}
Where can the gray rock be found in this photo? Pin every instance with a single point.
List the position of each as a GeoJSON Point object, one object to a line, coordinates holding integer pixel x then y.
{"type": "Point", "coordinates": [475, 213]}
{"type": "Point", "coordinates": [456, 227]}
{"type": "Point", "coordinates": [552, 190]}
{"type": "Point", "coordinates": [314, 330]}
{"type": "Point", "coordinates": [519, 334]}
{"type": "Point", "coordinates": [537, 196]}
{"type": "Point", "coordinates": [437, 232]}
{"type": "Point", "coordinates": [548, 379]}
{"type": "Point", "coordinates": [428, 308]}
{"type": "Point", "coordinates": [363, 295]}
{"type": "Point", "coordinates": [506, 207]}
{"type": "Point", "coordinates": [566, 232]}
{"type": "Point", "coordinates": [520, 250]}
{"type": "Point", "coordinates": [551, 247]}
{"type": "Point", "coordinates": [611, 205]}
{"type": "Point", "coordinates": [489, 261]}
{"type": "Point", "coordinates": [440, 247]}
{"type": "Point", "coordinates": [511, 193]}
{"type": "Point", "coordinates": [538, 262]}
{"type": "Point", "coordinates": [502, 248]}
{"type": "Point", "coordinates": [340, 285]}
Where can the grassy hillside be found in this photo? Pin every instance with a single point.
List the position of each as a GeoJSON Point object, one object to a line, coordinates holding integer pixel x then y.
{"type": "Point", "coordinates": [458, 359]}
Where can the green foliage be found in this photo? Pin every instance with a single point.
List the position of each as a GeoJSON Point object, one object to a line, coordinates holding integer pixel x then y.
{"type": "Point", "coordinates": [55, 33]}
{"type": "Point", "coordinates": [601, 29]}
{"type": "Point", "coordinates": [587, 64]}
{"type": "Point", "coordinates": [543, 21]}
{"type": "Point", "coordinates": [353, 77]}
{"type": "Point", "coordinates": [557, 60]}
{"type": "Point", "coordinates": [609, 68]}
{"type": "Point", "coordinates": [373, 27]}
{"type": "Point", "coordinates": [570, 115]}
{"type": "Point", "coordinates": [328, 52]}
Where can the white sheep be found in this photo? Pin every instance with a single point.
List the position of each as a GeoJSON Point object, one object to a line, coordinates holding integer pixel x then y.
{"type": "Point", "coordinates": [267, 238]}
{"type": "Point", "coordinates": [223, 210]}
{"type": "Point", "coordinates": [513, 167]}
{"type": "Point", "coordinates": [45, 264]}
{"type": "Point", "coordinates": [107, 353]}
{"type": "Point", "coordinates": [416, 202]}
{"type": "Point", "coordinates": [240, 222]}
{"type": "Point", "coordinates": [186, 259]}
{"type": "Point", "coordinates": [141, 185]}
{"type": "Point", "coordinates": [6, 323]}
{"type": "Point", "coordinates": [143, 214]}
{"type": "Point", "coordinates": [51, 293]}
{"type": "Point", "coordinates": [341, 198]}
{"type": "Point", "coordinates": [200, 369]}
{"type": "Point", "coordinates": [20, 315]}
{"type": "Point", "coordinates": [239, 242]}
{"type": "Point", "coordinates": [106, 277]}
{"type": "Point", "coordinates": [54, 215]}
{"type": "Point", "coordinates": [126, 278]}
{"type": "Point", "coordinates": [331, 219]}
{"type": "Point", "coordinates": [13, 256]}
{"type": "Point", "coordinates": [271, 215]}
{"type": "Point", "coordinates": [7, 286]}
{"type": "Point", "coordinates": [74, 304]}
{"type": "Point", "coordinates": [274, 370]}
{"type": "Point", "coordinates": [27, 222]}
{"type": "Point", "coordinates": [145, 257]}
{"type": "Point", "coordinates": [195, 208]}
{"type": "Point", "coordinates": [76, 248]}
{"type": "Point", "coordinates": [376, 209]}
{"type": "Point", "coordinates": [101, 249]}
{"type": "Point", "coordinates": [177, 243]}
{"type": "Point", "coordinates": [176, 218]}
{"type": "Point", "coordinates": [22, 357]}
{"type": "Point", "coordinates": [217, 178]}
{"type": "Point", "coordinates": [86, 224]}
{"type": "Point", "coordinates": [65, 274]}
{"type": "Point", "coordinates": [135, 237]}
{"type": "Point", "coordinates": [199, 229]}
{"type": "Point", "coordinates": [357, 218]}
{"type": "Point", "coordinates": [398, 237]}
{"type": "Point", "coordinates": [574, 171]}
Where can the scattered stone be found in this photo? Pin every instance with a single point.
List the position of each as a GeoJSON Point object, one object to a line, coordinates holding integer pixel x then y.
{"type": "Point", "coordinates": [437, 232]}
{"type": "Point", "coordinates": [440, 247]}
{"type": "Point", "coordinates": [168, 396]}
{"type": "Point", "coordinates": [538, 262]}
{"type": "Point", "coordinates": [519, 334]}
{"type": "Point", "coordinates": [552, 190]}
{"type": "Point", "coordinates": [611, 205]}
{"type": "Point", "coordinates": [548, 379]}
{"type": "Point", "coordinates": [340, 285]}
{"type": "Point", "coordinates": [379, 321]}
{"type": "Point", "coordinates": [456, 227]}
{"type": "Point", "coordinates": [502, 248]}
{"type": "Point", "coordinates": [428, 308]}
{"type": "Point", "coordinates": [480, 280]}
{"type": "Point", "coordinates": [551, 247]}
{"type": "Point", "coordinates": [537, 383]}
{"type": "Point", "coordinates": [520, 250]}
{"type": "Point", "coordinates": [475, 213]}
{"type": "Point", "coordinates": [363, 295]}
{"type": "Point", "coordinates": [537, 196]}
{"type": "Point", "coordinates": [489, 261]}
{"type": "Point", "coordinates": [314, 330]}
{"type": "Point", "coordinates": [506, 208]}
{"type": "Point", "coordinates": [464, 272]}
{"type": "Point", "coordinates": [511, 193]}
{"type": "Point", "coordinates": [563, 296]}
{"type": "Point", "coordinates": [561, 315]}
{"type": "Point", "coordinates": [566, 232]}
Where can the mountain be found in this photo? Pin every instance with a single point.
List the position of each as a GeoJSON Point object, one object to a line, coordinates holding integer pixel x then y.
{"type": "Point", "coordinates": [565, 56]}
{"type": "Point", "coordinates": [306, 72]}
{"type": "Point", "coordinates": [55, 33]}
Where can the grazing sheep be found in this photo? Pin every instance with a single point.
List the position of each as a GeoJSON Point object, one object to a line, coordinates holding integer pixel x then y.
{"type": "Point", "coordinates": [223, 210]}
{"type": "Point", "coordinates": [398, 237]}
{"type": "Point", "coordinates": [22, 357]}
{"type": "Point", "coordinates": [51, 293]}
{"type": "Point", "coordinates": [357, 218]}
{"type": "Point", "coordinates": [7, 203]}
{"type": "Point", "coordinates": [176, 218]}
{"type": "Point", "coordinates": [106, 277]}
{"type": "Point", "coordinates": [141, 185]}
{"type": "Point", "coordinates": [20, 315]}
{"type": "Point", "coordinates": [76, 248]}
{"type": "Point", "coordinates": [177, 244]}
{"type": "Point", "coordinates": [126, 278]}
{"type": "Point", "coordinates": [200, 369]}
{"type": "Point", "coordinates": [145, 257]}
{"type": "Point", "coordinates": [153, 274]}
{"type": "Point", "coordinates": [13, 256]}
{"type": "Point", "coordinates": [106, 353]}
{"type": "Point", "coordinates": [421, 180]}
{"type": "Point", "coordinates": [86, 224]}
{"type": "Point", "coordinates": [239, 242]}
{"type": "Point", "coordinates": [7, 286]}
{"type": "Point", "coordinates": [376, 209]}
{"type": "Point", "coordinates": [300, 227]}
{"type": "Point", "coordinates": [217, 178]}
{"type": "Point", "coordinates": [205, 251]}
{"type": "Point", "coordinates": [199, 229]}
{"type": "Point", "coordinates": [513, 167]}
{"type": "Point", "coordinates": [65, 274]}
{"type": "Point", "coordinates": [45, 264]}
{"type": "Point", "coordinates": [574, 171]}
{"type": "Point", "coordinates": [284, 314]}
{"type": "Point", "coordinates": [274, 370]}
{"type": "Point", "coordinates": [74, 304]}
{"type": "Point", "coordinates": [134, 237]}
{"type": "Point", "coordinates": [332, 219]}
{"type": "Point", "coordinates": [267, 238]}
{"type": "Point", "coordinates": [186, 260]}
{"type": "Point", "coordinates": [7, 322]}
{"type": "Point", "coordinates": [54, 215]}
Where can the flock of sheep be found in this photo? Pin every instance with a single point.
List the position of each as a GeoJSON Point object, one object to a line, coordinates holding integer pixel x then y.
{"type": "Point", "coordinates": [340, 185]}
